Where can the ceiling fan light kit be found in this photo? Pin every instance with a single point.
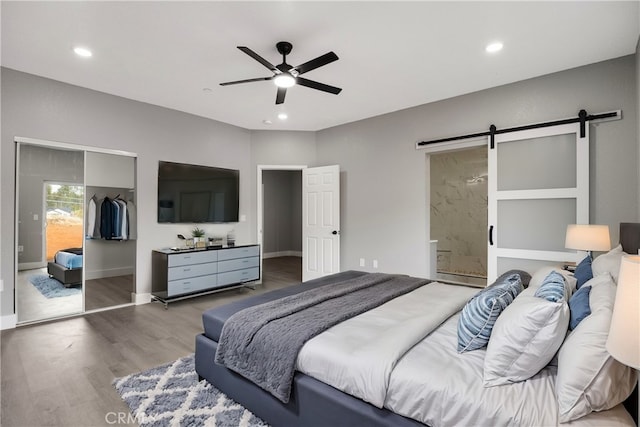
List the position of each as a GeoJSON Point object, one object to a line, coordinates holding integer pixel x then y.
{"type": "Point", "coordinates": [286, 76]}
{"type": "Point", "coordinates": [284, 80]}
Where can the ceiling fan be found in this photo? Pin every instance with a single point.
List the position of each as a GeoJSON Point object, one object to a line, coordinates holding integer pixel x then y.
{"type": "Point", "coordinates": [285, 75]}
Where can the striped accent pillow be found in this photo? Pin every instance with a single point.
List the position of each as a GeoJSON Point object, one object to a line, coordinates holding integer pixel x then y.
{"type": "Point", "coordinates": [480, 313]}
{"type": "Point", "coordinates": [552, 288]}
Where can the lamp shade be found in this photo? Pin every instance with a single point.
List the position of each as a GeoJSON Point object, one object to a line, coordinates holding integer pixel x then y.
{"type": "Point", "coordinates": [588, 237]}
{"type": "Point", "coordinates": [623, 342]}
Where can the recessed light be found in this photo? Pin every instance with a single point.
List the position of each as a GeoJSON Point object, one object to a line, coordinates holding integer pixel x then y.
{"type": "Point", "coordinates": [267, 122]}
{"type": "Point", "coordinates": [282, 116]}
{"type": "Point", "coordinates": [494, 47]}
{"type": "Point", "coordinates": [82, 51]}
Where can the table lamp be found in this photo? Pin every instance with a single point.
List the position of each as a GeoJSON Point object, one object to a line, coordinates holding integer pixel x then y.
{"type": "Point", "coordinates": [623, 342]}
{"type": "Point", "coordinates": [588, 237]}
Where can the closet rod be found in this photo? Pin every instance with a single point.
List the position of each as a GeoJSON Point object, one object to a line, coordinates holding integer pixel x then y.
{"type": "Point", "coordinates": [582, 118]}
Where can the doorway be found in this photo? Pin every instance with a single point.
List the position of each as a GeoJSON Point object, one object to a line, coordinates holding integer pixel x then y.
{"type": "Point", "coordinates": [458, 214]}
{"type": "Point", "coordinates": [281, 241]}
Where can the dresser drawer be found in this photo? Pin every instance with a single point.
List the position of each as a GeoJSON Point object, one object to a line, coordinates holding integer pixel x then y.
{"type": "Point", "coordinates": [238, 264]}
{"type": "Point", "coordinates": [194, 284]}
{"type": "Point", "coordinates": [234, 253]}
{"type": "Point", "coordinates": [192, 270]}
{"type": "Point", "coordinates": [192, 258]}
{"type": "Point", "coordinates": [238, 276]}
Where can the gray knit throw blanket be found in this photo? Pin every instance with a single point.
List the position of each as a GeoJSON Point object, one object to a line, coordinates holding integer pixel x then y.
{"type": "Point", "coordinates": [262, 342]}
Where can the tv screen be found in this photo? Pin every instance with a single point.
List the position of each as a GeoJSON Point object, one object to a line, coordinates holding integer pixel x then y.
{"type": "Point", "coordinates": [193, 193]}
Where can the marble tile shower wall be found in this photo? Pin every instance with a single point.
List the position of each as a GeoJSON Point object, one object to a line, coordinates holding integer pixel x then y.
{"type": "Point", "coordinates": [459, 211]}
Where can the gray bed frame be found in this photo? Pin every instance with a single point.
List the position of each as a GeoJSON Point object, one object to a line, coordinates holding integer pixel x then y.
{"type": "Point", "coordinates": [312, 402]}
{"type": "Point", "coordinates": [67, 276]}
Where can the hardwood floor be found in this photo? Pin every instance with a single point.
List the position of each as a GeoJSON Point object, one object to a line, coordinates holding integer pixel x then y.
{"type": "Point", "coordinates": [107, 292]}
{"type": "Point", "coordinates": [60, 373]}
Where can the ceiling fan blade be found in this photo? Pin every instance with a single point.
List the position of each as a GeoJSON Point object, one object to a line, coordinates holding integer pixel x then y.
{"type": "Point", "coordinates": [258, 79]}
{"type": "Point", "coordinates": [325, 59]}
{"type": "Point", "coordinates": [282, 91]}
{"type": "Point", "coordinates": [259, 58]}
{"type": "Point", "coordinates": [316, 85]}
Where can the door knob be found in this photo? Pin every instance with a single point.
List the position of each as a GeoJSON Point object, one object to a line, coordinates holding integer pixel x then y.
{"type": "Point", "coordinates": [334, 232]}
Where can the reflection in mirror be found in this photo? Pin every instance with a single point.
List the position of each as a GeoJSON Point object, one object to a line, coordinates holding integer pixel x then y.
{"type": "Point", "coordinates": [50, 212]}
{"type": "Point", "coordinates": [110, 249]}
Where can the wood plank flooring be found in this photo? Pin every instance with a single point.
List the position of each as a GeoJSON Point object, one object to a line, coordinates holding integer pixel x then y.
{"type": "Point", "coordinates": [60, 373]}
{"type": "Point", "coordinates": [107, 292]}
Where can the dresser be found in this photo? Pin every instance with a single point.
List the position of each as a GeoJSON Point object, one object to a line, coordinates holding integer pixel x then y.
{"type": "Point", "coordinates": [177, 275]}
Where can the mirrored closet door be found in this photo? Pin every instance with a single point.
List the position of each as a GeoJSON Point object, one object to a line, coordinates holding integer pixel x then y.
{"type": "Point", "coordinates": [76, 222]}
{"type": "Point", "coordinates": [50, 222]}
{"type": "Point", "coordinates": [110, 245]}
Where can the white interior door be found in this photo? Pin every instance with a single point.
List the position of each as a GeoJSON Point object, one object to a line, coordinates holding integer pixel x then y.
{"type": "Point", "coordinates": [320, 221]}
{"type": "Point", "coordinates": [538, 184]}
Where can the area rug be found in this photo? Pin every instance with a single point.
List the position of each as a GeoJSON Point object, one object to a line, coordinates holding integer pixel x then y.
{"type": "Point", "coordinates": [51, 288]}
{"type": "Point", "coordinates": [170, 395]}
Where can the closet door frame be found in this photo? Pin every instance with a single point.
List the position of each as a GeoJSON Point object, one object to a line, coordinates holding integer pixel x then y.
{"type": "Point", "coordinates": [19, 140]}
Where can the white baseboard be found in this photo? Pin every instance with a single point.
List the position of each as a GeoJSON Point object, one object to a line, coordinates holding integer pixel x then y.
{"type": "Point", "coordinates": [8, 322]}
{"type": "Point", "coordinates": [281, 253]}
{"type": "Point", "coordinates": [139, 299]}
{"type": "Point", "coordinates": [111, 272]}
{"type": "Point", "coordinates": [31, 265]}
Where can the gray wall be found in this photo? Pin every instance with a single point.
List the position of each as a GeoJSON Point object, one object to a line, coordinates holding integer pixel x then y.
{"type": "Point", "coordinates": [282, 211]}
{"type": "Point", "coordinates": [36, 107]}
{"type": "Point", "coordinates": [41, 108]}
{"type": "Point", "coordinates": [384, 200]}
{"type": "Point", "coordinates": [384, 207]}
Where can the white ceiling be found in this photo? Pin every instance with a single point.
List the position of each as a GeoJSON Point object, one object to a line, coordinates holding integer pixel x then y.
{"type": "Point", "coordinates": [393, 55]}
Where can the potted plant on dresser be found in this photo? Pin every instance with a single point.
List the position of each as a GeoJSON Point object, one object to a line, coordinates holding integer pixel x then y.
{"type": "Point", "coordinates": [198, 237]}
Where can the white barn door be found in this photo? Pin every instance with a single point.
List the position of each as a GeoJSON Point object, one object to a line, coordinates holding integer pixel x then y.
{"type": "Point", "coordinates": [538, 184]}
{"type": "Point", "coordinates": [321, 221]}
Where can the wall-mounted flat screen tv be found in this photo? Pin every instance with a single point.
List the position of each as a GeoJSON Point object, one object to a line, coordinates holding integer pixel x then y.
{"type": "Point", "coordinates": [196, 194]}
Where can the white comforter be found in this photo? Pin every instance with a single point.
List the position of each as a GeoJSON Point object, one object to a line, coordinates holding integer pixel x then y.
{"type": "Point", "coordinates": [402, 356]}
{"type": "Point", "coordinates": [358, 356]}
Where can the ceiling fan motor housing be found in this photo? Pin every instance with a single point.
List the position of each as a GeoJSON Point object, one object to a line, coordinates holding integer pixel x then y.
{"type": "Point", "coordinates": [284, 48]}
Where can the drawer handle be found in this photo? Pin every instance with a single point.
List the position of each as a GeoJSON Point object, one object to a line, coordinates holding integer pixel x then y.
{"type": "Point", "coordinates": [245, 261]}
{"type": "Point", "coordinates": [186, 257]}
{"type": "Point", "coordinates": [186, 269]}
{"type": "Point", "coordinates": [186, 283]}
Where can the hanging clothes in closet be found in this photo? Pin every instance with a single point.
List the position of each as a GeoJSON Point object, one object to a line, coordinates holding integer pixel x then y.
{"type": "Point", "coordinates": [110, 218]}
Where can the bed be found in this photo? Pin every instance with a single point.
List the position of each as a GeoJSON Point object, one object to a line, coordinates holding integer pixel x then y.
{"type": "Point", "coordinates": [66, 266]}
{"type": "Point", "coordinates": [431, 383]}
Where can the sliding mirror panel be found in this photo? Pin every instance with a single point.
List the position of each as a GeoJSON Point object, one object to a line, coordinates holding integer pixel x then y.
{"type": "Point", "coordinates": [49, 232]}
{"type": "Point", "coordinates": [110, 254]}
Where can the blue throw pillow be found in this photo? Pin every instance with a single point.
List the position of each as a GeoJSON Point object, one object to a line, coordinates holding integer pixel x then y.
{"type": "Point", "coordinates": [552, 287]}
{"type": "Point", "coordinates": [480, 313]}
{"type": "Point", "coordinates": [579, 306]}
{"type": "Point", "coordinates": [583, 272]}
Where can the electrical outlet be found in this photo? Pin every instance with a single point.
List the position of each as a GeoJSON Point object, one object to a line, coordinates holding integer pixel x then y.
{"type": "Point", "coordinates": [1, 285]}
{"type": "Point", "coordinates": [20, 248]}
{"type": "Point", "coordinates": [362, 262]}
{"type": "Point", "coordinates": [35, 217]}
{"type": "Point", "coordinates": [375, 263]}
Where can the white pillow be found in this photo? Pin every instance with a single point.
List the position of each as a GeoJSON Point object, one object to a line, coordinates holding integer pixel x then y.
{"type": "Point", "coordinates": [525, 338]}
{"type": "Point", "coordinates": [589, 379]}
{"type": "Point", "coordinates": [608, 263]}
